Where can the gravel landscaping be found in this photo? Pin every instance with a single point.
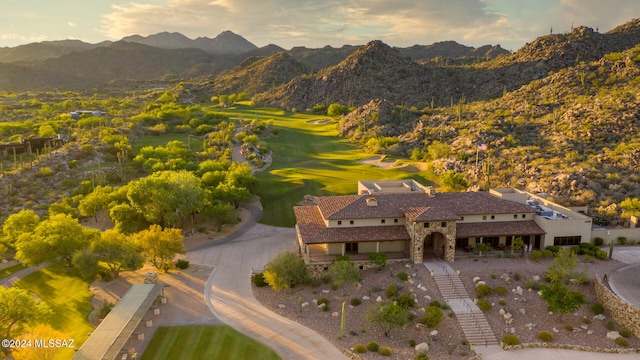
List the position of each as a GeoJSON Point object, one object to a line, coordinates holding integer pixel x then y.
{"type": "Point", "coordinates": [528, 311]}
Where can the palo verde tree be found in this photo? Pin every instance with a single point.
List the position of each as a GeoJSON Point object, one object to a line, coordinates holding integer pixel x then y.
{"type": "Point", "coordinates": [19, 223]}
{"type": "Point", "coordinates": [160, 245]}
{"type": "Point", "coordinates": [387, 317]}
{"type": "Point", "coordinates": [18, 310]}
{"type": "Point", "coordinates": [118, 251]}
{"type": "Point", "coordinates": [55, 239]}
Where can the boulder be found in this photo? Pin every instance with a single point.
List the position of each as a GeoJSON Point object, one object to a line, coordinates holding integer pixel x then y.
{"type": "Point", "coordinates": [365, 297]}
{"type": "Point", "coordinates": [304, 304]}
{"type": "Point", "coordinates": [335, 314]}
{"type": "Point", "coordinates": [599, 317]}
{"type": "Point", "coordinates": [612, 335]}
{"type": "Point", "coordinates": [433, 333]}
{"type": "Point", "coordinates": [379, 299]}
{"type": "Point", "coordinates": [282, 306]}
{"type": "Point", "coordinates": [422, 347]}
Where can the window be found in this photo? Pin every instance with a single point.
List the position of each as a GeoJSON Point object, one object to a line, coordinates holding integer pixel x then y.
{"type": "Point", "coordinates": [339, 222]}
{"type": "Point", "coordinates": [443, 224]}
{"type": "Point", "coordinates": [395, 221]}
{"type": "Point", "coordinates": [426, 225]}
{"type": "Point", "coordinates": [382, 221]}
{"type": "Point", "coordinates": [515, 216]}
{"type": "Point", "coordinates": [524, 216]}
{"type": "Point", "coordinates": [566, 240]}
{"type": "Point", "coordinates": [484, 217]}
{"type": "Point", "coordinates": [351, 247]}
{"type": "Point", "coordinates": [461, 218]}
{"type": "Point", "coordinates": [493, 217]}
{"type": "Point", "coordinates": [350, 222]}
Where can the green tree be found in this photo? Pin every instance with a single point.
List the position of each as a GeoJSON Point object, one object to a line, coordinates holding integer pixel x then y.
{"type": "Point", "coordinates": [57, 238]}
{"type": "Point", "coordinates": [98, 199]}
{"type": "Point", "coordinates": [287, 269]}
{"type": "Point", "coordinates": [220, 214]}
{"type": "Point", "coordinates": [562, 269]}
{"type": "Point", "coordinates": [36, 333]}
{"type": "Point", "coordinates": [483, 247]}
{"type": "Point", "coordinates": [560, 300]}
{"type": "Point", "coordinates": [518, 245]}
{"type": "Point", "coordinates": [86, 263]}
{"type": "Point", "coordinates": [388, 317]}
{"type": "Point", "coordinates": [160, 245]}
{"type": "Point", "coordinates": [117, 250]}
{"type": "Point", "coordinates": [232, 194]}
{"type": "Point", "coordinates": [46, 131]}
{"type": "Point", "coordinates": [336, 109]}
{"type": "Point", "coordinates": [453, 181]}
{"type": "Point", "coordinates": [127, 220]}
{"type": "Point", "coordinates": [342, 271]}
{"type": "Point", "coordinates": [631, 206]}
{"type": "Point", "coordinates": [166, 197]}
{"type": "Point", "coordinates": [19, 223]}
{"type": "Point", "coordinates": [18, 310]}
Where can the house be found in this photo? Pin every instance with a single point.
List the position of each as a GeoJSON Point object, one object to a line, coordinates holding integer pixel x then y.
{"type": "Point", "coordinates": [407, 220]}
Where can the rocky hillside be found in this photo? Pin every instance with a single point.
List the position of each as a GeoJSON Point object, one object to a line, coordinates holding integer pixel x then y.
{"type": "Point", "coordinates": [226, 42]}
{"type": "Point", "coordinates": [258, 74]}
{"type": "Point", "coordinates": [452, 50]}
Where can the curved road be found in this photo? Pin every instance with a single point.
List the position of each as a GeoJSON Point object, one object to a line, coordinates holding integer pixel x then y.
{"type": "Point", "coordinates": [229, 295]}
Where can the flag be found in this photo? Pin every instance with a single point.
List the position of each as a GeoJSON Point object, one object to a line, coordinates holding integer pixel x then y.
{"type": "Point", "coordinates": [482, 147]}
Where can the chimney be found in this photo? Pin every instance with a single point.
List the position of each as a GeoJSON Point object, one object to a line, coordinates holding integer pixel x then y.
{"type": "Point", "coordinates": [371, 201]}
{"type": "Point", "coordinates": [431, 191]}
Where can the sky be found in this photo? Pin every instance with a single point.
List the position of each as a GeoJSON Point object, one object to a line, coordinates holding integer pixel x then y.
{"type": "Point", "coordinates": [311, 23]}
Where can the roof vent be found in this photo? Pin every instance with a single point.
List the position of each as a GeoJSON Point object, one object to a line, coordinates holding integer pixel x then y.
{"type": "Point", "coordinates": [431, 191]}
{"type": "Point", "coordinates": [371, 201]}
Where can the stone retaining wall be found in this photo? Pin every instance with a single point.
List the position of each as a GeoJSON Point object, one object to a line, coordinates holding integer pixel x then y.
{"type": "Point", "coordinates": [318, 271]}
{"type": "Point", "coordinates": [570, 347]}
{"type": "Point", "coordinates": [624, 313]}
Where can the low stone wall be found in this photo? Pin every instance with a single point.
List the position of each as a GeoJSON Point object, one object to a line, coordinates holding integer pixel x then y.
{"type": "Point", "coordinates": [570, 347]}
{"type": "Point", "coordinates": [319, 270]}
{"type": "Point", "coordinates": [624, 313]}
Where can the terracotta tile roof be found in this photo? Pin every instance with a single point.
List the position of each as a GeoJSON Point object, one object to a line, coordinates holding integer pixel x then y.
{"type": "Point", "coordinates": [312, 229]}
{"type": "Point", "coordinates": [498, 228]}
{"type": "Point", "coordinates": [391, 205]}
{"type": "Point", "coordinates": [429, 214]}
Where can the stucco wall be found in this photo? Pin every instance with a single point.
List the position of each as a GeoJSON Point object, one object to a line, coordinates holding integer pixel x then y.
{"type": "Point", "coordinates": [317, 271]}
{"type": "Point", "coordinates": [391, 246]}
{"type": "Point", "coordinates": [624, 313]}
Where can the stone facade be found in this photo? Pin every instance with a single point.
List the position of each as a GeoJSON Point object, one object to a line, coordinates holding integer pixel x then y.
{"type": "Point", "coordinates": [319, 270]}
{"type": "Point", "coordinates": [624, 313]}
{"type": "Point", "coordinates": [442, 237]}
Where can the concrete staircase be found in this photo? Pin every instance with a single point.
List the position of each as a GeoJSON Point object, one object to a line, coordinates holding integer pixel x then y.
{"type": "Point", "coordinates": [471, 319]}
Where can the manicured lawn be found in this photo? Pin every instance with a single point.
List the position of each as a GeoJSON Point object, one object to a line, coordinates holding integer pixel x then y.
{"type": "Point", "coordinates": [205, 342]}
{"type": "Point", "coordinates": [10, 270]}
{"type": "Point", "coordinates": [69, 298]}
{"type": "Point", "coordinates": [310, 159]}
{"type": "Point", "coordinates": [194, 141]}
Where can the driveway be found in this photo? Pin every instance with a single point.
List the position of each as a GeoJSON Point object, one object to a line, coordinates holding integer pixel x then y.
{"type": "Point", "coordinates": [229, 295]}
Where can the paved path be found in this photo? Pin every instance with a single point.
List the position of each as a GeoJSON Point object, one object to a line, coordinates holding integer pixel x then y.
{"type": "Point", "coordinates": [13, 278]}
{"type": "Point", "coordinates": [230, 297]}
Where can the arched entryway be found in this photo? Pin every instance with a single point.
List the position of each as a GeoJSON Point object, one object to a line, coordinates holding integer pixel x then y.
{"type": "Point", "coordinates": [434, 246]}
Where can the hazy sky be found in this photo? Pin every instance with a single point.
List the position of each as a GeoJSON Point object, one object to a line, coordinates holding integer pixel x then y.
{"type": "Point", "coordinates": [311, 23]}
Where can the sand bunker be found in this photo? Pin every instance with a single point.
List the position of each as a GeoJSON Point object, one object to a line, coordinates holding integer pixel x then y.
{"type": "Point", "coordinates": [380, 162]}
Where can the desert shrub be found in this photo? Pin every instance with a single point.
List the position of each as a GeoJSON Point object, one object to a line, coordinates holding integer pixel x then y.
{"type": "Point", "coordinates": [422, 356]}
{"type": "Point", "coordinates": [373, 346]}
{"type": "Point", "coordinates": [385, 351]}
{"type": "Point", "coordinates": [547, 253]}
{"type": "Point", "coordinates": [105, 309]}
{"type": "Point", "coordinates": [601, 254]}
{"type": "Point", "coordinates": [325, 307]}
{"type": "Point", "coordinates": [597, 309]}
{"type": "Point", "coordinates": [598, 241]}
{"type": "Point", "coordinates": [323, 301]}
{"type": "Point", "coordinates": [545, 336]}
{"type": "Point", "coordinates": [625, 333]}
{"type": "Point", "coordinates": [622, 240]}
{"type": "Point", "coordinates": [359, 349]}
{"type": "Point", "coordinates": [554, 249]}
{"type": "Point", "coordinates": [432, 316]}
{"type": "Point", "coordinates": [500, 290]}
{"type": "Point", "coordinates": [406, 301]}
{"type": "Point", "coordinates": [344, 271]}
{"type": "Point", "coordinates": [392, 291]}
{"type": "Point", "coordinates": [379, 259]}
{"type": "Point", "coordinates": [568, 327]}
{"type": "Point", "coordinates": [435, 303]}
{"type": "Point", "coordinates": [586, 321]}
{"type": "Point", "coordinates": [510, 339]}
{"type": "Point", "coordinates": [355, 302]}
{"type": "Point", "coordinates": [258, 279]}
{"type": "Point", "coordinates": [411, 343]}
{"type": "Point", "coordinates": [483, 290]}
{"type": "Point", "coordinates": [484, 305]}
{"type": "Point", "coordinates": [335, 287]}
{"type": "Point", "coordinates": [502, 302]}
{"type": "Point", "coordinates": [609, 325]}
{"type": "Point", "coordinates": [622, 342]}
{"type": "Point", "coordinates": [285, 270]}
{"type": "Point", "coordinates": [516, 276]}
{"type": "Point", "coordinates": [536, 255]}
{"type": "Point", "coordinates": [182, 264]}
{"type": "Point", "coordinates": [403, 276]}
{"type": "Point", "coordinates": [532, 284]}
